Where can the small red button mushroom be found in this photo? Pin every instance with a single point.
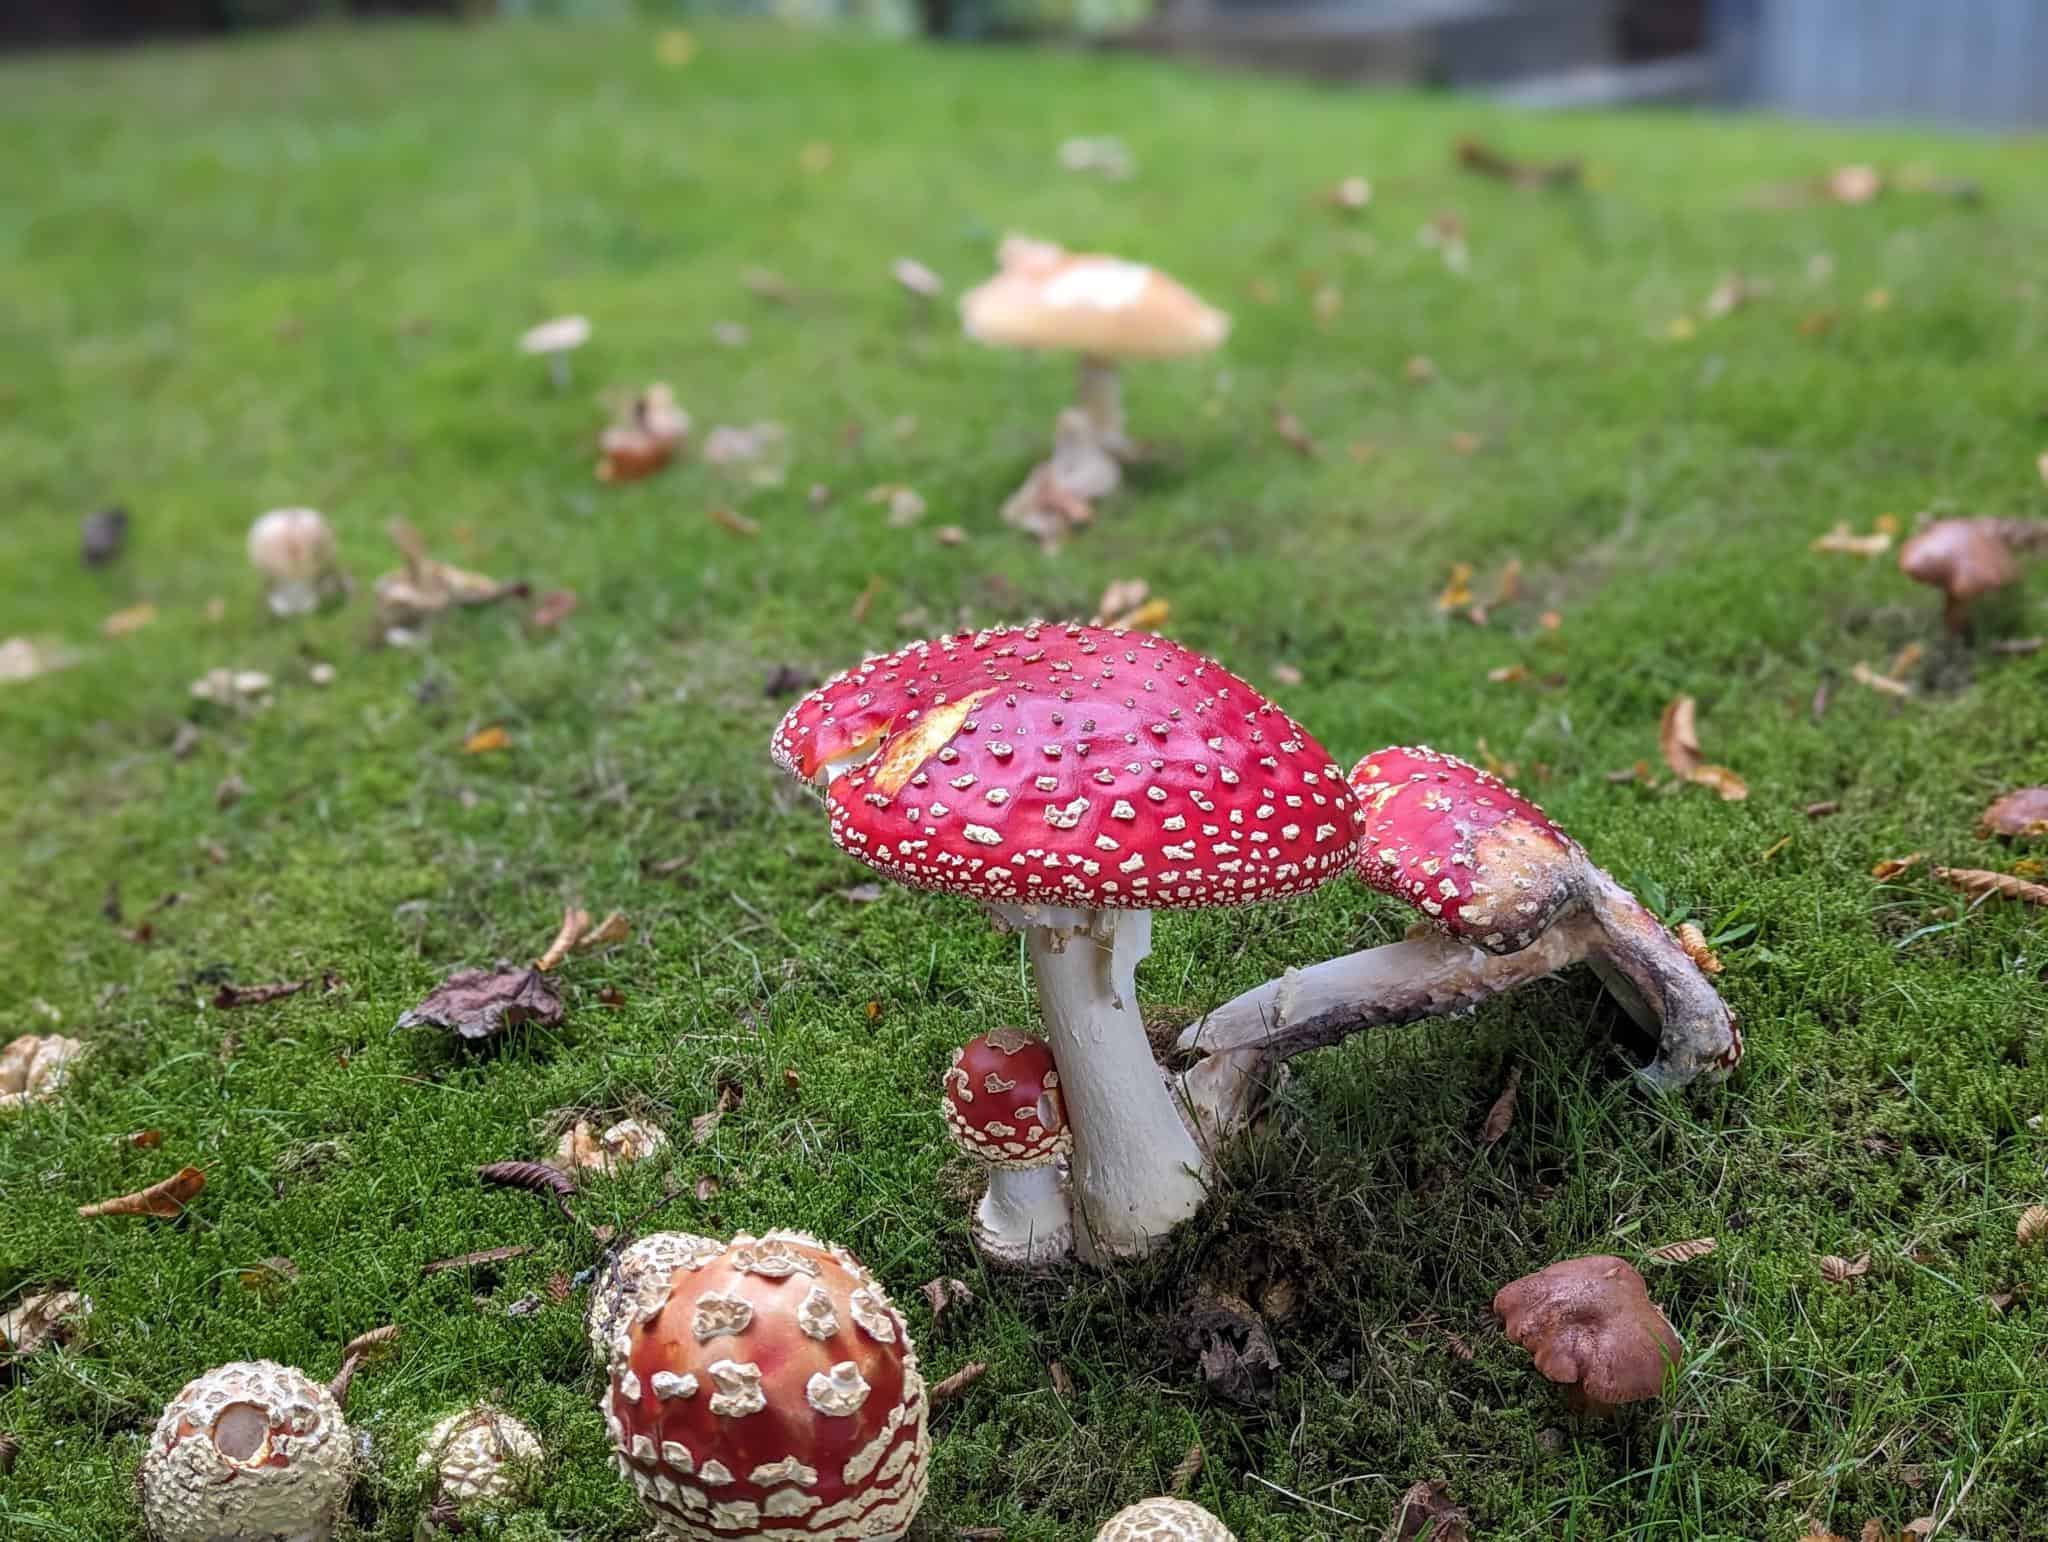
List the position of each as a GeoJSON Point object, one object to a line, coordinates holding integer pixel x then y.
{"type": "Point", "coordinates": [761, 1387]}
{"type": "Point", "coordinates": [1591, 1325]}
{"type": "Point", "coordinates": [1002, 1107]}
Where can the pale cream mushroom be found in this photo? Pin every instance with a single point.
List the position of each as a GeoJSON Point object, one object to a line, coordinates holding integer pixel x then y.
{"type": "Point", "coordinates": [1105, 309]}
{"type": "Point", "coordinates": [480, 1455]}
{"type": "Point", "coordinates": [294, 550]}
{"type": "Point", "coordinates": [1164, 1520]}
{"type": "Point", "coordinates": [35, 1067]}
{"type": "Point", "coordinates": [554, 341]}
{"type": "Point", "coordinates": [250, 1452]}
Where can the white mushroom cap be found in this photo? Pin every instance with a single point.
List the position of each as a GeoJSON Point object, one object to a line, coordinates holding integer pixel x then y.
{"type": "Point", "coordinates": [1102, 306]}
{"type": "Point", "coordinates": [34, 1068]}
{"type": "Point", "coordinates": [251, 1450]}
{"type": "Point", "coordinates": [1164, 1520]}
{"type": "Point", "coordinates": [481, 1453]}
{"type": "Point", "coordinates": [291, 545]}
{"type": "Point", "coordinates": [556, 336]}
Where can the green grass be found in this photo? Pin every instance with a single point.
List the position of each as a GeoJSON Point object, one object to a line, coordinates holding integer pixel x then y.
{"type": "Point", "coordinates": [291, 271]}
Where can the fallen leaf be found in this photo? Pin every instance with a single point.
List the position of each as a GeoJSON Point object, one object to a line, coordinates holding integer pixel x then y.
{"type": "Point", "coordinates": [917, 278]}
{"type": "Point", "coordinates": [486, 740]}
{"type": "Point", "coordinates": [943, 1294]}
{"type": "Point", "coordinates": [1837, 1270]}
{"type": "Point", "coordinates": [865, 600]}
{"type": "Point", "coordinates": [103, 533]}
{"type": "Point", "coordinates": [767, 284]}
{"type": "Point", "coordinates": [945, 1391]}
{"type": "Point", "coordinates": [1457, 590]}
{"type": "Point", "coordinates": [423, 587]}
{"type": "Point", "coordinates": [165, 1200]}
{"type": "Point", "coordinates": [2019, 645]}
{"type": "Point", "coordinates": [862, 894]}
{"type": "Point", "coordinates": [1232, 1346]}
{"type": "Point", "coordinates": [1823, 809]}
{"type": "Point", "coordinates": [1878, 300]}
{"type": "Point", "coordinates": [1286, 674]}
{"type": "Point", "coordinates": [552, 609]}
{"type": "Point", "coordinates": [619, 1147]}
{"type": "Point", "coordinates": [48, 1317]}
{"type": "Point", "coordinates": [1464, 443]}
{"type": "Point", "coordinates": [1905, 660]}
{"type": "Point", "coordinates": [1978, 883]}
{"type": "Point", "coordinates": [815, 158]}
{"type": "Point", "coordinates": [1891, 867]}
{"type": "Point", "coordinates": [2030, 867]}
{"type": "Point", "coordinates": [269, 1275]}
{"type": "Point", "coordinates": [481, 1003]}
{"type": "Point", "coordinates": [707, 1189]}
{"type": "Point", "coordinates": [2018, 815]}
{"type": "Point", "coordinates": [1694, 941]}
{"type": "Point", "coordinates": [1684, 1252]}
{"type": "Point", "coordinates": [737, 523]}
{"type": "Point", "coordinates": [1292, 434]}
{"type": "Point", "coordinates": [141, 1140]}
{"type": "Point", "coordinates": [133, 619]}
{"type": "Point", "coordinates": [1772, 850]}
{"type": "Point", "coordinates": [34, 1067]}
{"type": "Point", "coordinates": [1455, 1342]}
{"type": "Point", "coordinates": [1502, 1114]}
{"type": "Point", "coordinates": [2033, 1225]}
{"type": "Point", "coordinates": [231, 995]}
{"type": "Point", "coordinates": [575, 922]}
{"type": "Point", "coordinates": [535, 1178]}
{"type": "Point", "coordinates": [705, 1125]}
{"type": "Point", "coordinates": [1678, 736]}
{"type": "Point", "coordinates": [1278, 1299]}
{"type": "Point", "coordinates": [613, 929]}
{"type": "Point", "coordinates": [1062, 1382]}
{"type": "Point", "coordinates": [1841, 539]}
{"type": "Point", "coordinates": [1863, 674]}
{"type": "Point", "coordinates": [730, 334]}
{"type": "Point", "coordinates": [1420, 369]}
{"type": "Point", "coordinates": [1426, 1514]}
{"type": "Point", "coordinates": [1508, 674]}
{"type": "Point", "coordinates": [478, 1260]}
{"type": "Point", "coordinates": [1186, 1470]}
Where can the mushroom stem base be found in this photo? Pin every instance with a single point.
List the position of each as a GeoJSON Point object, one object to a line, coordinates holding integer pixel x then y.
{"type": "Point", "coordinates": [1023, 1221]}
{"type": "Point", "coordinates": [1136, 1171]}
{"type": "Point", "coordinates": [1100, 394]}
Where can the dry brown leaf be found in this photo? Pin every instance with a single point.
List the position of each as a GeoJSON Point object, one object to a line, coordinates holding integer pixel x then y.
{"type": "Point", "coordinates": [1822, 1536]}
{"type": "Point", "coordinates": [132, 619]}
{"type": "Point", "coordinates": [1289, 428]}
{"type": "Point", "coordinates": [1328, 301]}
{"type": "Point", "coordinates": [1684, 1252]}
{"type": "Point", "coordinates": [575, 922]}
{"type": "Point", "coordinates": [1186, 1470]}
{"type": "Point", "coordinates": [705, 1125]}
{"type": "Point", "coordinates": [1502, 1114]}
{"type": "Point", "coordinates": [1732, 788]}
{"type": "Point", "coordinates": [1420, 369]}
{"type": "Point", "coordinates": [1891, 867]}
{"type": "Point", "coordinates": [707, 1189]}
{"type": "Point", "coordinates": [47, 1317]}
{"type": "Point", "coordinates": [1426, 1511]}
{"type": "Point", "coordinates": [738, 524]}
{"type": "Point", "coordinates": [865, 600]}
{"type": "Point", "coordinates": [2018, 815]}
{"type": "Point", "coordinates": [2033, 1225]}
{"type": "Point", "coordinates": [1837, 1270]}
{"type": "Point", "coordinates": [1678, 736]}
{"type": "Point", "coordinates": [1508, 674]}
{"type": "Point", "coordinates": [1464, 442]}
{"type": "Point", "coordinates": [917, 278]}
{"type": "Point", "coordinates": [551, 609]}
{"type": "Point", "coordinates": [480, 1003]}
{"type": "Point", "coordinates": [166, 1200]}
{"type": "Point", "coordinates": [1694, 941]}
{"type": "Point", "coordinates": [1841, 539]}
{"type": "Point", "coordinates": [942, 1294]}
{"type": "Point", "coordinates": [1062, 1382]}
{"type": "Point", "coordinates": [1457, 590]}
{"type": "Point", "coordinates": [768, 284]}
{"type": "Point", "coordinates": [1455, 1342]}
{"type": "Point", "coordinates": [614, 928]}
{"type": "Point", "coordinates": [1286, 674]}
{"type": "Point", "coordinates": [1885, 685]}
{"type": "Point", "coordinates": [486, 740]}
{"type": "Point", "coordinates": [1823, 809]}
{"type": "Point", "coordinates": [1978, 882]}
{"type": "Point", "coordinates": [943, 1392]}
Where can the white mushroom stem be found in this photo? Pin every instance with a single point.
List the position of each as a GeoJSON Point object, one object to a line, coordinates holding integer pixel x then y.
{"type": "Point", "coordinates": [558, 368]}
{"type": "Point", "coordinates": [1023, 1220]}
{"type": "Point", "coordinates": [1100, 394]}
{"type": "Point", "coordinates": [1136, 1170]}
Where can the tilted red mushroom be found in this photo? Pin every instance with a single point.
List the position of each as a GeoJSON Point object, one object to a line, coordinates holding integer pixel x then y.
{"type": "Point", "coordinates": [1073, 779]}
{"type": "Point", "coordinates": [1968, 558]}
{"type": "Point", "coordinates": [1002, 1107]}
{"type": "Point", "coordinates": [1591, 1325]}
{"type": "Point", "coordinates": [764, 1387]}
{"type": "Point", "coordinates": [1512, 899]}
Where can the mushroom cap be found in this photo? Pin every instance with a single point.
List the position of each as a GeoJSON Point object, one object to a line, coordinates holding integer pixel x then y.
{"type": "Point", "coordinates": [1962, 557]}
{"type": "Point", "coordinates": [1164, 1520]}
{"type": "Point", "coordinates": [1078, 765]}
{"type": "Point", "coordinates": [35, 1067]}
{"type": "Point", "coordinates": [253, 1449]}
{"type": "Point", "coordinates": [556, 336]}
{"type": "Point", "coordinates": [765, 1387]}
{"type": "Point", "coordinates": [1045, 297]}
{"type": "Point", "coordinates": [293, 545]}
{"type": "Point", "coordinates": [1463, 847]}
{"type": "Point", "coordinates": [481, 1453]}
{"type": "Point", "coordinates": [1002, 1101]}
{"type": "Point", "coordinates": [2020, 815]}
{"type": "Point", "coordinates": [1590, 1323]}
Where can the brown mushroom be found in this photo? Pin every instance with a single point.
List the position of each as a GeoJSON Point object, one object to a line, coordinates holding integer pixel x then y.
{"type": "Point", "coordinates": [1968, 558]}
{"type": "Point", "coordinates": [2018, 815]}
{"type": "Point", "coordinates": [1591, 1325]}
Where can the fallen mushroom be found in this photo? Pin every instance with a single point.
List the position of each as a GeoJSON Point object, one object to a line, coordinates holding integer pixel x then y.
{"type": "Point", "coordinates": [554, 341]}
{"type": "Point", "coordinates": [1969, 558]}
{"type": "Point", "coordinates": [646, 439]}
{"type": "Point", "coordinates": [1103, 308]}
{"type": "Point", "coordinates": [294, 550]}
{"type": "Point", "coordinates": [623, 1144]}
{"type": "Point", "coordinates": [45, 1318]}
{"type": "Point", "coordinates": [1591, 1325]}
{"type": "Point", "coordinates": [424, 587]}
{"type": "Point", "coordinates": [35, 1067]}
{"type": "Point", "coordinates": [1073, 779]}
{"type": "Point", "coordinates": [1002, 1107]}
{"type": "Point", "coordinates": [480, 1455]}
{"type": "Point", "coordinates": [1164, 1520]}
{"type": "Point", "coordinates": [250, 1450]}
{"type": "Point", "coordinates": [1511, 899]}
{"type": "Point", "coordinates": [2018, 815]}
{"type": "Point", "coordinates": [760, 1387]}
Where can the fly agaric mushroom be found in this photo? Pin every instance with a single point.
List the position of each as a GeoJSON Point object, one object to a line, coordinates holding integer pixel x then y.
{"type": "Point", "coordinates": [1509, 898]}
{"type": "Point", "coordinates": [35, 1067]}
{"type": "Point", "coordinates": [1074, 779]}
{"type": "Point", "coordinates": [1591, 1325]}
{"type": "Point", "coordinates": [294, 550]}
{"type": "Point", "coordinates": [554, 341]}
{"type": "Point", "coordinates": [1968, 558]}
{"type": "Point", "coordinates": [250, 1452]}
{"type": "Point", "coordinates": [1164, 1520]}
{"type": "Point", "coordinates": [1103, 308]}
{"type": "Point", "coordinates": [1002, 1107]}
{"type": "Point", "coordinates": [764, 1387]}
{"type": "Point", "coordinates": [479, 1455]}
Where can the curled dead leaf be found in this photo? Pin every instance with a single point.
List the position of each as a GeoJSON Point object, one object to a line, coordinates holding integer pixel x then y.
{"type": "Point", "coordinates": [1427, 1512]}
{"type": "Point", "coordinates": [943, 1392]}
{"type": "Point", "coordinates": [551, 609]}
{"type": "Point", "coordinates": [2033, 1225]}
{"type": "Point", "coordinates": [1678, 736]}
{"type": "Point", "coordinates": [480, 1003]}
{"type": "Point", "coordinates": [1186, 1470]}
{"type": "Point", "coordinates": [575, 922]}
{"type": "Point", "coordinates": [943, 1294]}
{"type": "Point", "coordinates": [1457, 590]}
{"type": "Point", "coordinates": [1694, 941]}
{"type": "Point", "coordinates": [1286, 674]}
{"type": "Point", "coordinates": [705, 1125]}
{"type": "Point", "coordinates": [1891, 867]}
{"type": "Point", "coordinates": [737, 523]}
{"type": "Point", "coordinates": [1979, 883]}
{"type": "Point", "coordinates": [487, 740]}
{"type": "Point", "coordinates": [1837, 1270]}
{"type": "Point", "coordinates": [1884, 685]}
{"type": "Point", "coordinates": [165, 1200]}
{"type": "Point", "coordinates": [1841, 539]}
{"type": "Point", "coordinates": [229, 995]}
{"type": "Point", "coordinates": [1292, 434]}
{"type": "Point", "coordinates": [133, 619]}
{"type": "Point", "coordinates": [1684, 1252]}
{"type": "Point", "coordinates": [1502, 1114]}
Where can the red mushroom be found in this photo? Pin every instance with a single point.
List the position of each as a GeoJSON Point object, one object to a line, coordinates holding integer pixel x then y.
{"type": "Point", "coordinates": [761, 1387]}
{"type": "Point", "coordinates": [1510, 897]}
{"type": "Point", "coordinates": [1074, 779]}
{"type": "Point", "coordinates": [1002, 1107]}
{"type": "Point", "coordinates": [1591, 1325]}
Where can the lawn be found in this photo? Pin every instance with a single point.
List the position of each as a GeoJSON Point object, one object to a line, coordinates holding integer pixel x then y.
{"type": "Point", "coordinates": [291, 271]}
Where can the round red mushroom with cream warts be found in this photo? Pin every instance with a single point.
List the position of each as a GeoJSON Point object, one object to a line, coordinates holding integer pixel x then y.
{"type": "Point", "coordinates": [761, 1388]}
{"type": "Point", "coordinates": [250, 1452]}
{"type": "Point", "coordinates": [1002, 1106]}
{"type": "Point", "coordinates": [1074, 779]}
